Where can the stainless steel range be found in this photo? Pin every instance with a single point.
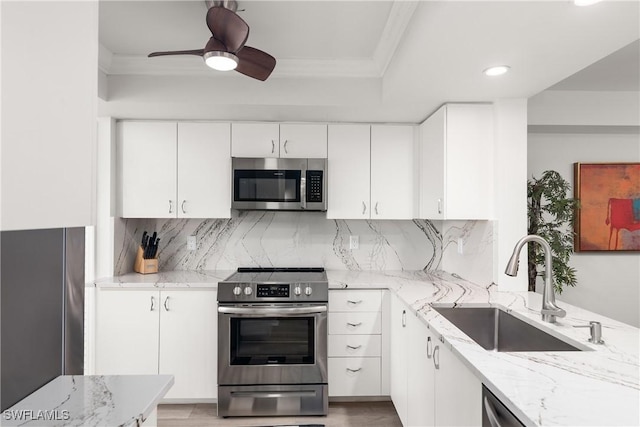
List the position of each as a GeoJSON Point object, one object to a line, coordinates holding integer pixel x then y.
{"type": "Point", "coordinates": [272, 342]}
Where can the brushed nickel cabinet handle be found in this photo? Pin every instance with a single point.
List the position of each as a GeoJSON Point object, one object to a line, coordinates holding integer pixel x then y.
{"type": "Point", "coordinates": [354, 302]}
{"type": "Point", "coordinates": [439, 206]}
{"type": "Point", "coordinates": [404, 318]}
{"type": "Point", "coordinates": [182, 206]}
{"type": "Point", "coordinates": [364, 208]}
{"type": "Point", "coordinates": [354, 348]}
{"type": "Point", "coordinates": [170, 206]}
{"type": "Point", "coordinates": [153, 300]}
{"type": "Point", "coordinates": [376, 208]}
{"type": "Point", "coordinates": [286, 141]}
{"type": "Point", "coordinates": [429, 344]}
{"type": "Point", "coordinates": [166, 302]}
{"type": "Point", "coordinates": [436, 357]}
{"type": "Point", "coordinates": [354, 370]}
{"type": "Point", "coordinates": [273, 146]}
{"type": "Point", "coordinates": [354, 325]}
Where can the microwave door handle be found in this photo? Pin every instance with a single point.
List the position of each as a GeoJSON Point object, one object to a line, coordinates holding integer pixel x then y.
{"type": "Point", "coordinates": [303, 190]}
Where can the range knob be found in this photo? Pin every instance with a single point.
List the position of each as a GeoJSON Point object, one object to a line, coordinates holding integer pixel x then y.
{"type": "Point", "coordinates": [237, 290]}
{"type": "Point", "coordinates": [297, 290]}
{"type": "Point", "coordinates": [248, 290]}
{"type": "Point", "coordinates": [308, 290]}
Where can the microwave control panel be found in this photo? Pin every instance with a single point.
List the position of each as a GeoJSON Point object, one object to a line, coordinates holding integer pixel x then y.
{"type": "Point", "coordinates": [268, 291]}
{"type": "Point", "coordinates": [314, 186]}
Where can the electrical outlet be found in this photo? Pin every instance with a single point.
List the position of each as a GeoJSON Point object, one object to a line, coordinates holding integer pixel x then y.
{"type": "Point", "coordinates": [461, 246]}
{"type": "Point", "coordinates": [354, 242]}
{"type": "Point", "coordinates": [191, 243]}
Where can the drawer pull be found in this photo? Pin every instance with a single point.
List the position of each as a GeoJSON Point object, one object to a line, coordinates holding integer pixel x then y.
{"type": "Point", "coordinates": [354, 348]}
{"type": "Point", "coordinates": [354, 302]}
{"type": "Point", "coordinates": [354, 325]}
{"type": "Point", "coordinates": [354, 370]}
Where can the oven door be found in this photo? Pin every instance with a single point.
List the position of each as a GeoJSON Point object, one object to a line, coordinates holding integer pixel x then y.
{"type": "Point", "coordinates": [272, 344]}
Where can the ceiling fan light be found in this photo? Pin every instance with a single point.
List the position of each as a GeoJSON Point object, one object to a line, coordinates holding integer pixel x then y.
{"type": "Point", "coordinates": [221, 61]}
{"type": "Point", "coordinates": [497, 70]}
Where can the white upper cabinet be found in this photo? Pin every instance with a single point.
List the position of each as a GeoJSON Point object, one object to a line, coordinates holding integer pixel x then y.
{"type": "Point", "coordinates": [279, 140]}
{"type": "Point", "coordinates": [147, 157]}
{"type": "Point", "coordinates": [370, 172]}
{"type": "Point", "coordinates": [391, 172]}
{"type": "Point", "coordinates": [455, 163]}
{"type": "Point", "coordinates": [255, 140]}
{"type": "Point", "coordinates": [303, 141]}
{"type": "Point", "coordinates": [171, 170]}
{"type": "Point", "coordinates": [204, 170]}
{"type": "Point", "coordinates": [349, 171]}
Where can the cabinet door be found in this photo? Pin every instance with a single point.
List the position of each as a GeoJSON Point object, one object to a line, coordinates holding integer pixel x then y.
{"type": "Point", "coordinates": [391, 172]}
{"type": "Point", "coordinates": [469, 162]}
{"type": "Point", "coordinates": [399, 358]}
{"type": "Point", "coordinates": [458, 393]}
{"type": "Point", "coordinates": [147, 155]}
{"type": "Point", "coordinates": [255, 140]}
{"type": "Point", "coordinates": [127, 331]}
{"type": "Point", "coordinates": [188, 342]}
{"type": "Point", "coordinates": [349, 172]}
{"type": "Point", "coordinates": [420, 379]}
{"type": "Point", "coordinates": [204, 170]}
{"type": "Point", "coordinates": [431, 171]}
{"type": "Point", "coordinates": [303, 141]}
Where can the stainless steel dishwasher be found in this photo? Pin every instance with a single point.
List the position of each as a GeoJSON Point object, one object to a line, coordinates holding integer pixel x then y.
{"type": "Point", "coordinates": [495, 414]}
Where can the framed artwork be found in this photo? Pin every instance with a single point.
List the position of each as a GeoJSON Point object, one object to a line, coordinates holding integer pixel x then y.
{"type": "Point", "coordinates": [609, 215]}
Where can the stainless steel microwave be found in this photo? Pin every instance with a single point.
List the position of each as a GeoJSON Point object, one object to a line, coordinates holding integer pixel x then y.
{"type": "Point", "coordinates": [279, 184]}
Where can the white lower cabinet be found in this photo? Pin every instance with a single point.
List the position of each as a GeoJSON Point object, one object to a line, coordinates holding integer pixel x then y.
{"type": "Point", "coordinates": [160, 332]}
{"type": "Point", "coordinates": [430, 386]}
{"type": "Point", "coordinates": [355, 344]}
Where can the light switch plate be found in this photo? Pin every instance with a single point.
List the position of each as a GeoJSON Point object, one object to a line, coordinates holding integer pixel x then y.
{"type": "Point", "coordinates": [354, 242]}
{"type": "Point", "coordinates": [461, 246]}
{"type": "Point", "coordinates": [191, 243]}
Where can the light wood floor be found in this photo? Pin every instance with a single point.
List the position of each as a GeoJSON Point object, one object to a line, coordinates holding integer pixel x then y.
{"type": "Point", "coordinates": [351, 414]}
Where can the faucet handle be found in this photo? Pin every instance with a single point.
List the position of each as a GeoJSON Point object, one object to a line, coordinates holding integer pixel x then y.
{"type": "Point", "coordinates": [596, 331]}
{"type": "Point", "coordinates": [557, 311]}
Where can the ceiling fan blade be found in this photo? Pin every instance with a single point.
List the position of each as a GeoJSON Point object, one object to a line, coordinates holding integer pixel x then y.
{"type": "Point", "coordinates": [255, 63]}
{"type": "Point", "coordinates": [228, 27]}
{"type": "Point", "coordinates": [198, 52]}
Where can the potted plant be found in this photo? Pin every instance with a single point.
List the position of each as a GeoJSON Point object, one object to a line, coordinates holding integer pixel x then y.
{"type": "Point", "coordinates": [551, 214]}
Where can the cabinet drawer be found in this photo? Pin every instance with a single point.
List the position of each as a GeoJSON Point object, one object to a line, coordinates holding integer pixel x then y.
{"type": "Point", "coordinates": [354, 376]}
{"type": "Point", "coordinates": [355, 323]}
{"type": "Point", "coordinates": [367, 300]}
{"type": "Point", "coordinates": [354, 345]}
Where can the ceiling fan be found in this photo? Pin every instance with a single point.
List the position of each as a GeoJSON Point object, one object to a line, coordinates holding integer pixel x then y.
{"type": "Point", "coordinates": [226, 48]}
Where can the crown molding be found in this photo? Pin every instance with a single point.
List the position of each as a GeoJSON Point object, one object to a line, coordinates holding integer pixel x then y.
{"type": "Point", "coordinates": [190, 65]}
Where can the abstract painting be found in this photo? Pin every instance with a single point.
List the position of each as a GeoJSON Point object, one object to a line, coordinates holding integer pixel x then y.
{"type": "Point", "coordinates": [609, 215]}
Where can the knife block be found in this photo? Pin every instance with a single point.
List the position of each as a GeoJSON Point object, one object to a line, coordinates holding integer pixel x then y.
{"type": "Point", "coordinates": [145, 266]}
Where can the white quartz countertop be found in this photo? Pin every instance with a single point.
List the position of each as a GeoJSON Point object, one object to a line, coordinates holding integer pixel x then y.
{"type": "Point", "coordinates": [91, 400]}
{"type": "Point", "coordinates": [598, 387]}
{"type": "Point", "coordinates": [168, 279]}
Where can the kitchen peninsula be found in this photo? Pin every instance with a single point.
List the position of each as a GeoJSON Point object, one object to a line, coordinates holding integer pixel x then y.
{"type": "Point", "coordinates": [598, 386]}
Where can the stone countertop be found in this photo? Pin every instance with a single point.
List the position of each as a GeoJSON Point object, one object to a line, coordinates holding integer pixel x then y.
{"type": "Point", "coordinates": [599, 387]}
{"type": "Point", "coordinates": [91, 400]}
{"type": "Point", "coordinates": [168, 279]}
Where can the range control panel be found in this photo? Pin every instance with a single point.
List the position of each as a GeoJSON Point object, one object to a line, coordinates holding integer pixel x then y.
{"type": "Point", "coordinates": [272, 291]}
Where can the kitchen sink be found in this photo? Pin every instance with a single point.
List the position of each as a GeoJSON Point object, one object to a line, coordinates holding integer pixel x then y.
{"type": "Point", "coordinates": [495, 329]}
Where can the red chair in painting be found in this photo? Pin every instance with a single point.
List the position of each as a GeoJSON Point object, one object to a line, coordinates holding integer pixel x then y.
{"type": "Point", "coordinates": [620, 216]}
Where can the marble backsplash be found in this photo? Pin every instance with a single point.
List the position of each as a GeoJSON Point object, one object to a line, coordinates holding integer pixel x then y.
{"type": "Point", "coordinates": [297, 239]}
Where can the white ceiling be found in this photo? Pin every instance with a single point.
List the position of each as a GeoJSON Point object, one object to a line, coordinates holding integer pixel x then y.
{"type": "Point", "coordinates": [393, 61]}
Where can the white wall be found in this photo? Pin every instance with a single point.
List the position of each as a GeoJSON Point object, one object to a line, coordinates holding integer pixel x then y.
{"type": "Point", "coordinates": [49, 102]}
{"type": "Point", "coordinates": [608, 283]}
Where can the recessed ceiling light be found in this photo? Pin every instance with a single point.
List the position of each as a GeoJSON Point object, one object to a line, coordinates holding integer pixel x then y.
{"type": "Point", "coordinates": [585, 2]}
{"type": "Point", "coordinates": [497, 70]}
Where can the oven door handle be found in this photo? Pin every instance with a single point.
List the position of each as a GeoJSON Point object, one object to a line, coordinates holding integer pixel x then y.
{"type": "Point", "coordinates": [272, 311]}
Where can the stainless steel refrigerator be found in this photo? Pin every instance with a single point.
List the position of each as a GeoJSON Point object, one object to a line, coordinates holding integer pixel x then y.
{"type": "Point", "coordinates": [42, 309]}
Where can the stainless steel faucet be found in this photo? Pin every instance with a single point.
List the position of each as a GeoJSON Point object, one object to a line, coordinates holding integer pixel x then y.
{"type": "Point", "coordinates": [549, 308]}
